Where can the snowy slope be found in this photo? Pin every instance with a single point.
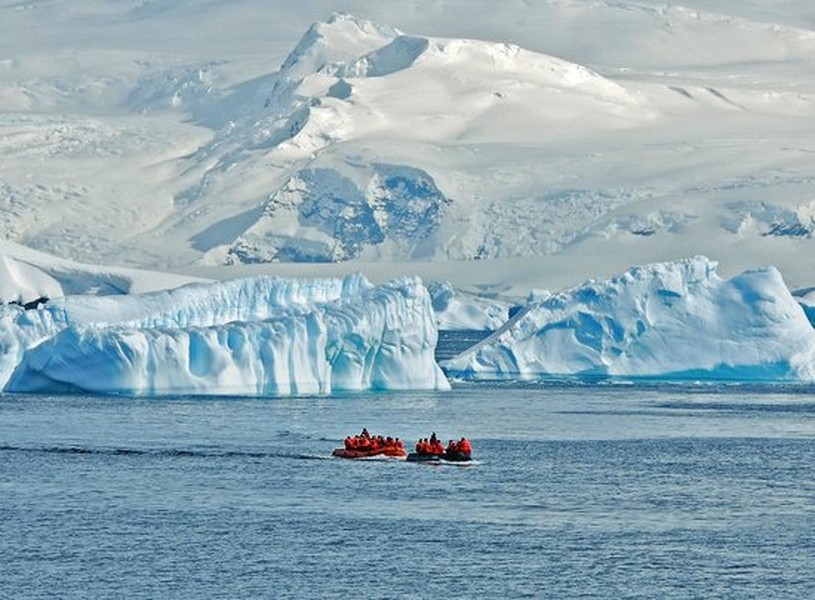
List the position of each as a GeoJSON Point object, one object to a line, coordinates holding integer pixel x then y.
{"type": "Point", "coordinates": [26, 275]}
{"type": "Point", "coordinates": [553, 141]}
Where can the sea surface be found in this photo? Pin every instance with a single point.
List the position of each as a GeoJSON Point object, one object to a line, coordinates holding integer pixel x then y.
{"type": "Point", "coordinates": [579, 491]}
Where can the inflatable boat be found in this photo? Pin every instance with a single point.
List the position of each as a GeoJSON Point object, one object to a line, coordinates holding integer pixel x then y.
{"type": "Point", "coordinates": [388, 452]}
{"type": "Point", "coordinates": [449, 456]}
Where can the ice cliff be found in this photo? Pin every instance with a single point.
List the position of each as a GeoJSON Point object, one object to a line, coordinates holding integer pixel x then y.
{"type": "Point", "coordinates": [677, 320]}
{"type": "Point", "coordinates": [258, 336]}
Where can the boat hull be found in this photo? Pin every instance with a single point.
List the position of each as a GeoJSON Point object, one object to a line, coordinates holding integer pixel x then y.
{"type": "Point", "coordinates": [384, 452]}
{"type": "Point", "coordinates": [456, 457]}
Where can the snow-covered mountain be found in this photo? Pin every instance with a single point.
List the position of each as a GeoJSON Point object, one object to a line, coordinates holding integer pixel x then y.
{"type": "Point", "coordinates": [360, 116]}
{"type": "Point", "coordinates": [535, 145]}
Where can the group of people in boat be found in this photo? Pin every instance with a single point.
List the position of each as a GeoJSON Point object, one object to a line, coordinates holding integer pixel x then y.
{"type": "Point", "coordinates": [365, 442]}
{"type": "Point", "coordinates": [432, 446]}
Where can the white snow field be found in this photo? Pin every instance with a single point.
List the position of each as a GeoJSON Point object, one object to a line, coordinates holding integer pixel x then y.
{"type": "Point", "coordinates": [675, 320]}
{"type": "Point", "coordinates": [259, 336]}
{"type": "Point", "coordinates": [26, 275]}
{"type": "Point", "coordinates": [552, 140]}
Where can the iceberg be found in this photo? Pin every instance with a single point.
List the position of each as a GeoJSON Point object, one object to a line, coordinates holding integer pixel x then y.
{"type": "Point", "coordinates": [456, 311]}
{"type": "Point", "coordinates": [259, 336]}
{"type": "Point", "coordinates": [674, 320]}
{"type": "Point", "coordinates": [806, 298]}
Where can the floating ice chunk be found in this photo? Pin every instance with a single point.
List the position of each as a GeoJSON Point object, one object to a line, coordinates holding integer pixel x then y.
{"type": "Point", "coordinates": [676, 320]}
{"type": "Point", "coordinates": [259, 336]}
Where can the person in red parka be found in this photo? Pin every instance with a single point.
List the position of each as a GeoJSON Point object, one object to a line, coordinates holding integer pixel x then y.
{"type": "Point", "coordinates": [437, 447]}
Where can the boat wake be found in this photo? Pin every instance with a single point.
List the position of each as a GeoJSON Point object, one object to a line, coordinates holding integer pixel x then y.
{"type": "Point", "coordinates": [159, 452]}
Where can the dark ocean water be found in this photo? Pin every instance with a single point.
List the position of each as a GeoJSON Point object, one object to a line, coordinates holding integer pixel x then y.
{"type": "Point", "coordinates": [604, 491]}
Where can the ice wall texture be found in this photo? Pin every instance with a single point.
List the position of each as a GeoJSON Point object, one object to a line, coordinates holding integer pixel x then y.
{"type": "Point", "coordinates": [259, 336]}
{"type": "Point", "coordinates": [676, 320]}
{"type": "Point", "coordinates": [321, 215]}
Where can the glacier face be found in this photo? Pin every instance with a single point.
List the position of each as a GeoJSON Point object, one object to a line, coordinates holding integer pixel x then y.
{"type": "Point", "coordinates": [258, 336]}
{"type": "Point", "coordinates": [676, 320]}
{"type": "Point", "coordinates": [323, 215]}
